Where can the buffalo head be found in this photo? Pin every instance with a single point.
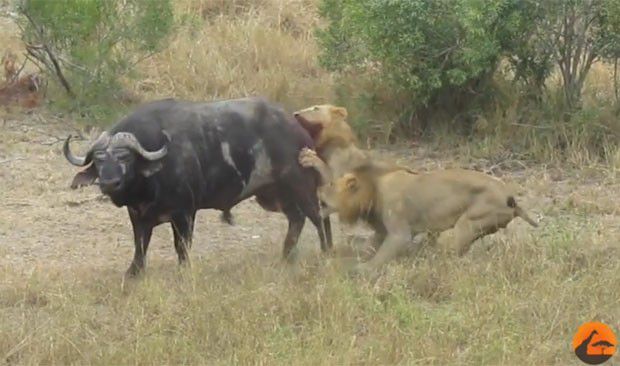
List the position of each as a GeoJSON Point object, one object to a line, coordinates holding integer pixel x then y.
{"type": "Point", "coordinates": [116, 160]}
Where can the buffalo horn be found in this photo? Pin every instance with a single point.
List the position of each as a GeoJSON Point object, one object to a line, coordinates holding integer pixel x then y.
{"type": "Point", "coordinates": [83, 160]}
{"type": "Point", "coordinates": [127, 139]}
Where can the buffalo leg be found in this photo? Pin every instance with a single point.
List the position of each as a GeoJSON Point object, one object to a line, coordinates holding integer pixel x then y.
{"type": "Point", "coordinates": [285, 198]}
{"type": "Point", "coordinates": [183, 229]}
{"type": "Point", "coordinates": [309, 204]}
{"type": "Point", "coordinates": [327, 227]}
{"type": "Point", "coordinates": [296, 221]}
{"type": "Point", "coordinates": [142, 231]}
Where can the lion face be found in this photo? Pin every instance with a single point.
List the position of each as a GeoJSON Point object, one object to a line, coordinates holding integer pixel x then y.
{"type": "Point", "coordinates": [334, 194]}
{"type": "Point", "coordinates": [322, 115]}
{"type": "Point", "coordinates": [325, 122]}
{"type": "Point", "coordinates": [352, 196]}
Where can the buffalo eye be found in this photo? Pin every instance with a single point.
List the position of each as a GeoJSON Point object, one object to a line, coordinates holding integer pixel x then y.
{"type": "Point", "coordinates": [99, 155]}
{"type": "Point", "coordinates": [122, 154]}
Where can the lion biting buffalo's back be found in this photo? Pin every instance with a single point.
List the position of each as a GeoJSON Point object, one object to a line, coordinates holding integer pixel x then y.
{"type": "Point", "coordinates": [170, 158]}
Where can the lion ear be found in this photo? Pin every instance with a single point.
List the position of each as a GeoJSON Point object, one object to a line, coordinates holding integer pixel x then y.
{"type": "Point", "coordinates": [340, 112]}
{"type": "Point", "coordinates": [351, 183]}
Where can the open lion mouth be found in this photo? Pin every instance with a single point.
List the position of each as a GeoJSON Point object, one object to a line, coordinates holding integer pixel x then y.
{"type": "Point", "coordinates": [314, 129]}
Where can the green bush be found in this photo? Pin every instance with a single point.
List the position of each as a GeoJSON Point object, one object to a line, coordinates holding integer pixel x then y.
{"type": "Point", "coordinates": [441, 52]}
{"type": "Point", "coordinates": [440, 59]}
{"type": "Point", "coordinates": [95, 42]}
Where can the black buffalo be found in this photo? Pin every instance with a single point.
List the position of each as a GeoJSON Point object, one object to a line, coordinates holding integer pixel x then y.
{"type": "Point", "coordinates": [170, 158]}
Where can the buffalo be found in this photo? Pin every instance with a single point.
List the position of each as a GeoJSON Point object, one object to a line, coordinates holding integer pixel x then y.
{"type": "Point", "coordinates": [170, 158]}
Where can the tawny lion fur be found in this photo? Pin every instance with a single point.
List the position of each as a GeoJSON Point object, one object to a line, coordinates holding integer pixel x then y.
{"type": "Point", "coordinates": [335, 141]}
{"type": "Point", "coordinates": [458, 205]}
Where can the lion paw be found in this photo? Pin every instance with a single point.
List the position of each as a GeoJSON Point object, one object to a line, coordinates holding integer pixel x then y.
{"type": "Point", "coordinates": [309, 159]}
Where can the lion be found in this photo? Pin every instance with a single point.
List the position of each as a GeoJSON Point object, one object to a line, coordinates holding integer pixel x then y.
{"type": "Point", "coordinates": [336, 144]}
{"type": "Point", "coordinates": [335, 141]}
{"type": "Point", "coordinates": [455, 206]}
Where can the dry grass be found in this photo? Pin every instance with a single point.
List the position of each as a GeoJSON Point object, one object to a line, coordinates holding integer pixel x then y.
{"type": "Point", "coordinates": [516, 298]}
{"type": "Point", "coordinates": [589, 138]}
{"type": "Point", "coordinates": [231, 49]}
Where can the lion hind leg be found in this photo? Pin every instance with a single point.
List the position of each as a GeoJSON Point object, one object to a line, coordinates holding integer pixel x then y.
{"type": "Point", "coordinates": [460, 238]}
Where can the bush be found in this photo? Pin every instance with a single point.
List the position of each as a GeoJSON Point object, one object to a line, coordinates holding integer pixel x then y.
{"type": "Point", "coordinates": [436, 53]}
{"type": "Point", "coordinates": [94, 42]}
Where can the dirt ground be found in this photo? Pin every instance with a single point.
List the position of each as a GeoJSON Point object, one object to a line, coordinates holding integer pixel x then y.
{"type": "Point", "coordinates": [46, 224]}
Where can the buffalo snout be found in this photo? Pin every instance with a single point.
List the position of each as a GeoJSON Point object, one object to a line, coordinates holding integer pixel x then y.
{"type": "Point", "coordinates": [110, 185]}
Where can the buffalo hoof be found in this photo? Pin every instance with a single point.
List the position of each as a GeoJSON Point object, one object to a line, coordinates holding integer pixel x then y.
{"type": "Point", "coordinates": [363, 270]}
{"type": "Point", "coordinates": [291, 256]}
{"type": "Point", "coordinates": [185, 265]}
{"type": "Point", "coordinates": [134, 271]}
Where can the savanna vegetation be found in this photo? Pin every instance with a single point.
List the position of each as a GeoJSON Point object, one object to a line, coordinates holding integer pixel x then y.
{"type": "Point", "coordinates": [536, 78]}
{"type": "Point", "coordinates": [525, 89]}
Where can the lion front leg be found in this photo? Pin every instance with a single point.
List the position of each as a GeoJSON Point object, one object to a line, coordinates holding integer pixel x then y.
{"type": "Point", "coordinates": [309, 159]}
{"type": "Point", "coordinates": [396, 241]}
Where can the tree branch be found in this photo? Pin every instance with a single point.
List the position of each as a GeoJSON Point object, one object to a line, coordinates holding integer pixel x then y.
{"type": "Point", "coordinates": [55, 65]}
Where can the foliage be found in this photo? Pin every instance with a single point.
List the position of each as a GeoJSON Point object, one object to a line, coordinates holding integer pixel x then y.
{"type": "Point", "coordinates": [571, 34]}
{"type": "Point", "coordinates": [611, 34]}
{"type": "Point", "coordinates": [95, 41]}
{"type": "Point", "coordinates": [572, 29]}
{"type": "Point", "coordinates": [531, 61]}
{"type": "Point", "coordinates": [443, 55]}
{"type": "Point", "coordinates": [437, 52]}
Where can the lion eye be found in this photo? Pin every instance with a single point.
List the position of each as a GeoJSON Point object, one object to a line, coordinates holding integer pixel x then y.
{"type": "Point", "coordinates": [315, 109]}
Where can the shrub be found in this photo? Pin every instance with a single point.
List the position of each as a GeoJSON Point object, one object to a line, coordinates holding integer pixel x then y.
{"type": "Point", "coordinates": [436, 53]}
{"type": "Point", "coordinates": [94, 42]}
{"type": "Point", "coordinates": [439, 58]}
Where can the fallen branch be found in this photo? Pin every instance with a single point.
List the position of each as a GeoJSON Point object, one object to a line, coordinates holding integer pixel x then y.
{"type": "Point", "coordinates": [11, 160]}
{"type": "Point", "coordinates": [55, 141]}
{"type": "Point", "coordinates": [86, 200]}
{"type": "Point", "coordinates": [532, 126]}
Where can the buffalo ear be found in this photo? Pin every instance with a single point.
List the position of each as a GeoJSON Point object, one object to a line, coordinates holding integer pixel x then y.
{"type": "Point", "coordinates": [84, 178]}
{"type": "Point", "coordinates": [151, 167]}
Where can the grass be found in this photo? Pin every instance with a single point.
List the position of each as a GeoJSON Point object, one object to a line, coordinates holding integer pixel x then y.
{"type": "Point", "coordinates": [230, 49]}
{"type": "Point", "coordinates": [515, 299]}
